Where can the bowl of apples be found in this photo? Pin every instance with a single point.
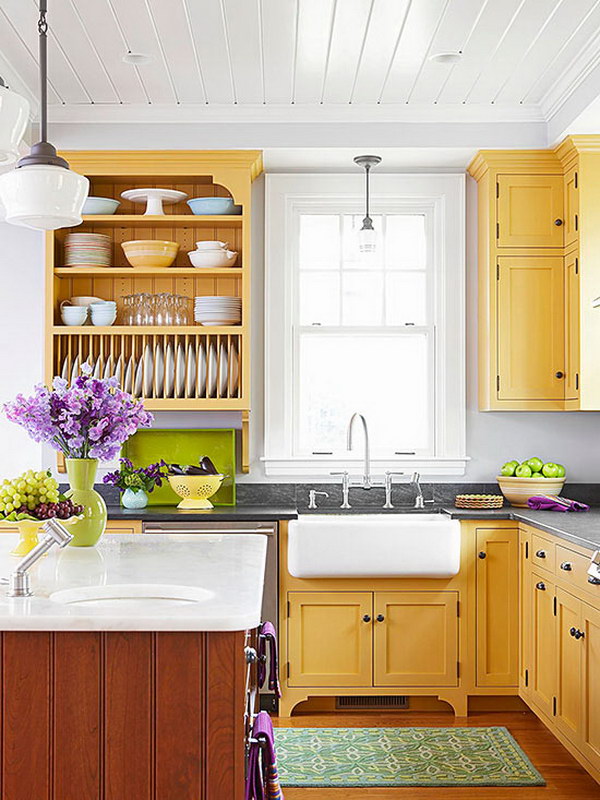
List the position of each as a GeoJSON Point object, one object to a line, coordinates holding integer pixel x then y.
{"type": "Point", "coordinates": [520, 480]}
{"type": "Point", "coordinates": [26, 502]}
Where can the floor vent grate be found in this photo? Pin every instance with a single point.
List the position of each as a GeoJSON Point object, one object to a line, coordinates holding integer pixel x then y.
{"type": "Point", "coordinates": [370, 702]}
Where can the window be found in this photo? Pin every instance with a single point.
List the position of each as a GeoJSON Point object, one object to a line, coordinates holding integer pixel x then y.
{"type": "Point", "coordinates": [383, 336]}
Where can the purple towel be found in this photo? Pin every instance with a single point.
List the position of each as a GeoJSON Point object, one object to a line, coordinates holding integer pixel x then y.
{"type": "Point", "coordinates": [550, 502]}
{"type": "Point", "coordinates": [267, 636]}
{"type": "Point", "coordinates": [262, 780]}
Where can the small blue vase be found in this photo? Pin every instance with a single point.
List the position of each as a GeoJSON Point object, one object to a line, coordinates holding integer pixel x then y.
{"type": "Point", "coordinates": [131, 499]}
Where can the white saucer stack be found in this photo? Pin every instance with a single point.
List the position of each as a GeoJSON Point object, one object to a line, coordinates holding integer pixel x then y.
{"type": "Point", "coordinates": [218, 310]}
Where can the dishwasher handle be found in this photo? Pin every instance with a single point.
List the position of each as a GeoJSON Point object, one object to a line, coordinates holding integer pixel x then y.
{"type": "Point", "coordinates": [268, 530]}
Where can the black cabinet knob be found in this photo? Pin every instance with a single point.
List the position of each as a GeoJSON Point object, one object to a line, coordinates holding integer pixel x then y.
{"type": "Point", "coordinates": [594, 581]}
{"type": "Point", "coordinates": [572, 631]}
{"type": "Point", "coordinates": [366, 618]}
{"type": "Point", "coordinates": [481, 554]}
{"type": "Point", "coordinates": [540, 554]}
{"type": "Point", "coordinates": [380, 617]}
{"type": "Point", "coordinates": [560, 374]}
{"type": "Point", "coordinates": [567, 566]}
{"type": "Point", "coordinates": [579, 634]}
{"type": "Point", "coordinates": [541, 586]}
{"type": "Point", "coordinates": [558, 222]}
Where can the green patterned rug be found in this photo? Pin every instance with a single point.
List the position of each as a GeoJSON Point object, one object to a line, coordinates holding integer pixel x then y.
{"type": "Point", "coordinates": [356, 757]}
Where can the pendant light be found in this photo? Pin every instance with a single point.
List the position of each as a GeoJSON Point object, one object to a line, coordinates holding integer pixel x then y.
{"type": "Point", "coordinates": [14, 113]}
{"type": "Point", "coordinates": [367, 235]}
{"type": "Point", "coordinates": [42, 192]}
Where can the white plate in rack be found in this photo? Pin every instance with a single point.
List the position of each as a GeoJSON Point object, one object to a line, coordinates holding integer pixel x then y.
{"type": "Point", "coordinates": [201, 370]}
{"type": "Point", "coordinates": [190, 379]}
{"type": "Point", "coordinates": [98, 367]}
{"type": "Point", "coordinates": [180, 371]}
{"type": "Point", "coordinates": [234, 370]}
{"type": "Point", "coordinates": [128, 382]}
{"type": "Point", "coordinates": [212, 370]}
{"type": "Point", "coordinates": [75, 370]}
{"type": "Point", "coordinates": [64, 373]}
{"type": "Point", "coordinates": [159, 370]}
{"type": "Point", "coordinates": [148, 370]}
{"type": "Point", "coordinates": [223, 370]}
{"type": "Point", "coordinates": [108, 368]}
{"type": "Point", "coordinates": [118, 370]}
{"type": "Point", "coordinates": [137, 384]}
{"type": "Point", "coordinates": [169, 370]}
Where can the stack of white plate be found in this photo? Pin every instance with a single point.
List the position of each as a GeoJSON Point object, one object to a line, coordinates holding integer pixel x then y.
{"type": "Point", "coordinates": [218, 310]}
{"type": "Point", "coordinates": [88, 250]}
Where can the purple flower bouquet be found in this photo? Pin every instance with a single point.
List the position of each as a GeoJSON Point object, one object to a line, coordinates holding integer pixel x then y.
{"type": "Point", "coordinates": [91, 419]}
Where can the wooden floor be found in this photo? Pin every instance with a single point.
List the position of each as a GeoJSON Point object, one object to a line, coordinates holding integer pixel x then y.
{"type": "Point", "coordinates": [565, 779]}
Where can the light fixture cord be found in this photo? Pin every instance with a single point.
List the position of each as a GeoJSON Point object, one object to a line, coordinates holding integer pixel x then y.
{"type": "Point", "coordinates": [43, 42]}
{"type": "Point", "coordinates": [367, 170]}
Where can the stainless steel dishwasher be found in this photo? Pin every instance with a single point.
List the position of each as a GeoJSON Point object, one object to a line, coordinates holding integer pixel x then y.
{"type": "Point", "coordinates": [270, 604]}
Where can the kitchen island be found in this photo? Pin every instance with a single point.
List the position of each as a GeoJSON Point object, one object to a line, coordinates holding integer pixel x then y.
{"type": "Point", "coordinates": [125, 675]}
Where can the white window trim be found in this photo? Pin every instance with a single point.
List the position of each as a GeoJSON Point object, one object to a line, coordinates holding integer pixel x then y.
{"type": "Point", "coordinates": [445, 196]}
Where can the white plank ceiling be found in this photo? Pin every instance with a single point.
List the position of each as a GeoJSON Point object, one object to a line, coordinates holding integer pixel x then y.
{"type": "Point", "coordinates": [523, 56]}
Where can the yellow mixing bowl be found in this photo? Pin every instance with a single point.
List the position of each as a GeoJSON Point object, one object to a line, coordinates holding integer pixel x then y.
{"type": "Point", "coordinates": [196, 489]}
{"type": "Point", "coordinates": [150, 252]}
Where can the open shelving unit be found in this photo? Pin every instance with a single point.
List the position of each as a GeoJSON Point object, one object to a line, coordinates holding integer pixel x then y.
{"type": "Point", "coordinates": [197, 173]}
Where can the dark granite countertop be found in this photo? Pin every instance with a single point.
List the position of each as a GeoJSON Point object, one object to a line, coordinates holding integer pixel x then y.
{"type": "Point", "coordinates": [581, 528]}
{"type": "Point", "coordinates": [238, 513]}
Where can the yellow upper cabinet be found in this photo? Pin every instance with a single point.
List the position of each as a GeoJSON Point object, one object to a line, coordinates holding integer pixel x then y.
{"type": "Point", "coordinates": [530, 330]}
{"type": "Point", "coordinates": [529, 211]}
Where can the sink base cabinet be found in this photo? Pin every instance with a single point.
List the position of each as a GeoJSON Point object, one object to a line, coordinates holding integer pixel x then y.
{"type": "Point", "coordinates": [107, 716]}
{"type": "Point", "coordinates": [450, 638]}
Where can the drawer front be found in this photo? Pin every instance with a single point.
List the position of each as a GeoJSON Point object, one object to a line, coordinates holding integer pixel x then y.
{"type": "Point", "coordinates": [572, 568]}
{"type": "Point", "coordinates": [543, 553]}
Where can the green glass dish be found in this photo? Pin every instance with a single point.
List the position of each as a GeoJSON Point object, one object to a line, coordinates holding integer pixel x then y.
{"type": "Point", "coordinates": [185, 446]}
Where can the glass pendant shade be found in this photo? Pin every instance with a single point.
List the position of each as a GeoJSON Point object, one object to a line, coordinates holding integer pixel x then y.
{"type": "Point", "coordinates": [14, 113]}
{"type": "Point", "coordinates": [367, 239]}
{"type": "Point", "coordinates": [43, 196]}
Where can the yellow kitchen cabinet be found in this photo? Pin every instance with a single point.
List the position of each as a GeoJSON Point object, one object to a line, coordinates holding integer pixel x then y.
{"type": "Point", "coordinates": [123, 526]}
{"type": "Point", "coordinates": [530, 329]}
{"type": "Point", "coordinates": [571, 199]}
{"type": "Point", "coordinates": [330, 638]}
{"type": "Point", "coordinates": [497, 659]}
{"type": "Point", "coordinates": [590, 683]}
{"type": "Point", "coordinates": [572, 316]}
{"type": "Point", "coordinates": [416, 639]}
{"type": "Point", "coordinates": [530, 211]}
{"type": "Point", "coordinates": [568, 653]}
{"type": "Point", "coordinates": [542, 644]}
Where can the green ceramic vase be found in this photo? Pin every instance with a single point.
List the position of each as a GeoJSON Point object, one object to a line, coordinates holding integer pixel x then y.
{"type": "Point", "coordinates": [82, 474]}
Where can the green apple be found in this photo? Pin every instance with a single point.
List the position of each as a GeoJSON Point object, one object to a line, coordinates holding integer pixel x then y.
{"type": "Point", "coordinates": [535, 463]}
{"type": "Point", "coordinates": [523, 471]}
{"type": "Point", "coordinates": [550, 470]}
{"type": "Point", "coordinates": [508, 469]}
{"type": "Point", "coordinates": [561, 471]}
{"type": "Point", "coordinates": [514, 462]}
{"type": "Point", "coordinates": [537, 475]}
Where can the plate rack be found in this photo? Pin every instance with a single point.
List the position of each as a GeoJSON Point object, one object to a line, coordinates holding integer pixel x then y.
{"type": "Point", "coordinates": [203, 368]}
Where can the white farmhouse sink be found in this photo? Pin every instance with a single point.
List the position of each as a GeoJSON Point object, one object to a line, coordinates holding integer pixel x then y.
{"type": "Point", "coordinates": [374, 545]}
{"type": "Point", "coordinates": [142, 596]}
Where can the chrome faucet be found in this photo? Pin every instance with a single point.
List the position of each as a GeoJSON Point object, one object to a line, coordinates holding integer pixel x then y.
{"type": "Point", "coordinates": [312, 497]}
{"type": "Point", "coordinates": [18, 583]}
{"type": "Point", "coordinates": [366, 481]}
{"type": "Point", "coordinates": [345, 488]}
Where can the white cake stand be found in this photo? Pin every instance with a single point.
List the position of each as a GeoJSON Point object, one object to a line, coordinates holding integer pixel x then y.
{"type": "Point", "coordinates": [154, 198]}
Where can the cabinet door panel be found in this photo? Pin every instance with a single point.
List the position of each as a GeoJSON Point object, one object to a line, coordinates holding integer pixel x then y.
{"type": "Point", "coordinates": [542, 673]}
{"type": "Point", "coordinates": [590, 723]}
{"type": "Point", "coordinates": [329, 643]}
{"type": "Point", "coordinates": [497, 607]}
{"type": "Point", "coordinates": [568, 703]}
{"type": "Point", "coordinates": [528, 207]}
{"type": "Point", "coordinates": [572, 326]}
{"type": "Point", "coordinates": [531, 328]}
{"type": "Point", "coordinates": [416, 643]}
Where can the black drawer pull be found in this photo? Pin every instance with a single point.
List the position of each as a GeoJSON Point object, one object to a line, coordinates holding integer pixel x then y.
{"type": "Point", "coordinates": [558, 222]}
{"type": "Point", "coordinates": [380, 617]}
{"type": "Point", "coordinates": [593, 581]}
{"type": "Point", "coordinates": [579, 634]}
{"type": "Point", "coordinates": [366, 618]}
{"type": "Point", "coordinates": [482, 554]}
{"type": "Point", "coordinates": [572, 631]}
{"type": "Point", "coordinates": [541, 554]}
{"type": "Point", "coordinates": [541, 586]}
{"type": "Point", "coordinates": [567, 566]}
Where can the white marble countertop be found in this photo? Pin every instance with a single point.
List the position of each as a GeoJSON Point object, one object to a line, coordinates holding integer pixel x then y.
{"type": "Point", "coordinates": [230, 567]}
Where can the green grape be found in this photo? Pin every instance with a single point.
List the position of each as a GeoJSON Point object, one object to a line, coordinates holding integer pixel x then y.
{"type": "Point", "coordinates": [16, 499]}
{"type": "Point", "coordinates": [2, 506]}
{"type": "Point", "coordinates": [8, 507]}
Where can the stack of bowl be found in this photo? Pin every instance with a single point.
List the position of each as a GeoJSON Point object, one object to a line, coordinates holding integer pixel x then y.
{"type": "Point", "coordinates": [88, 250]}
{"type": "Point", "coordinates": [212, 254]}
{"type": "Point", "coordinates": [73, 315]}
{"type": "Point", "coordinates": [218, 310]}
{"type": "Point", "coordinates": [103, 313]}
